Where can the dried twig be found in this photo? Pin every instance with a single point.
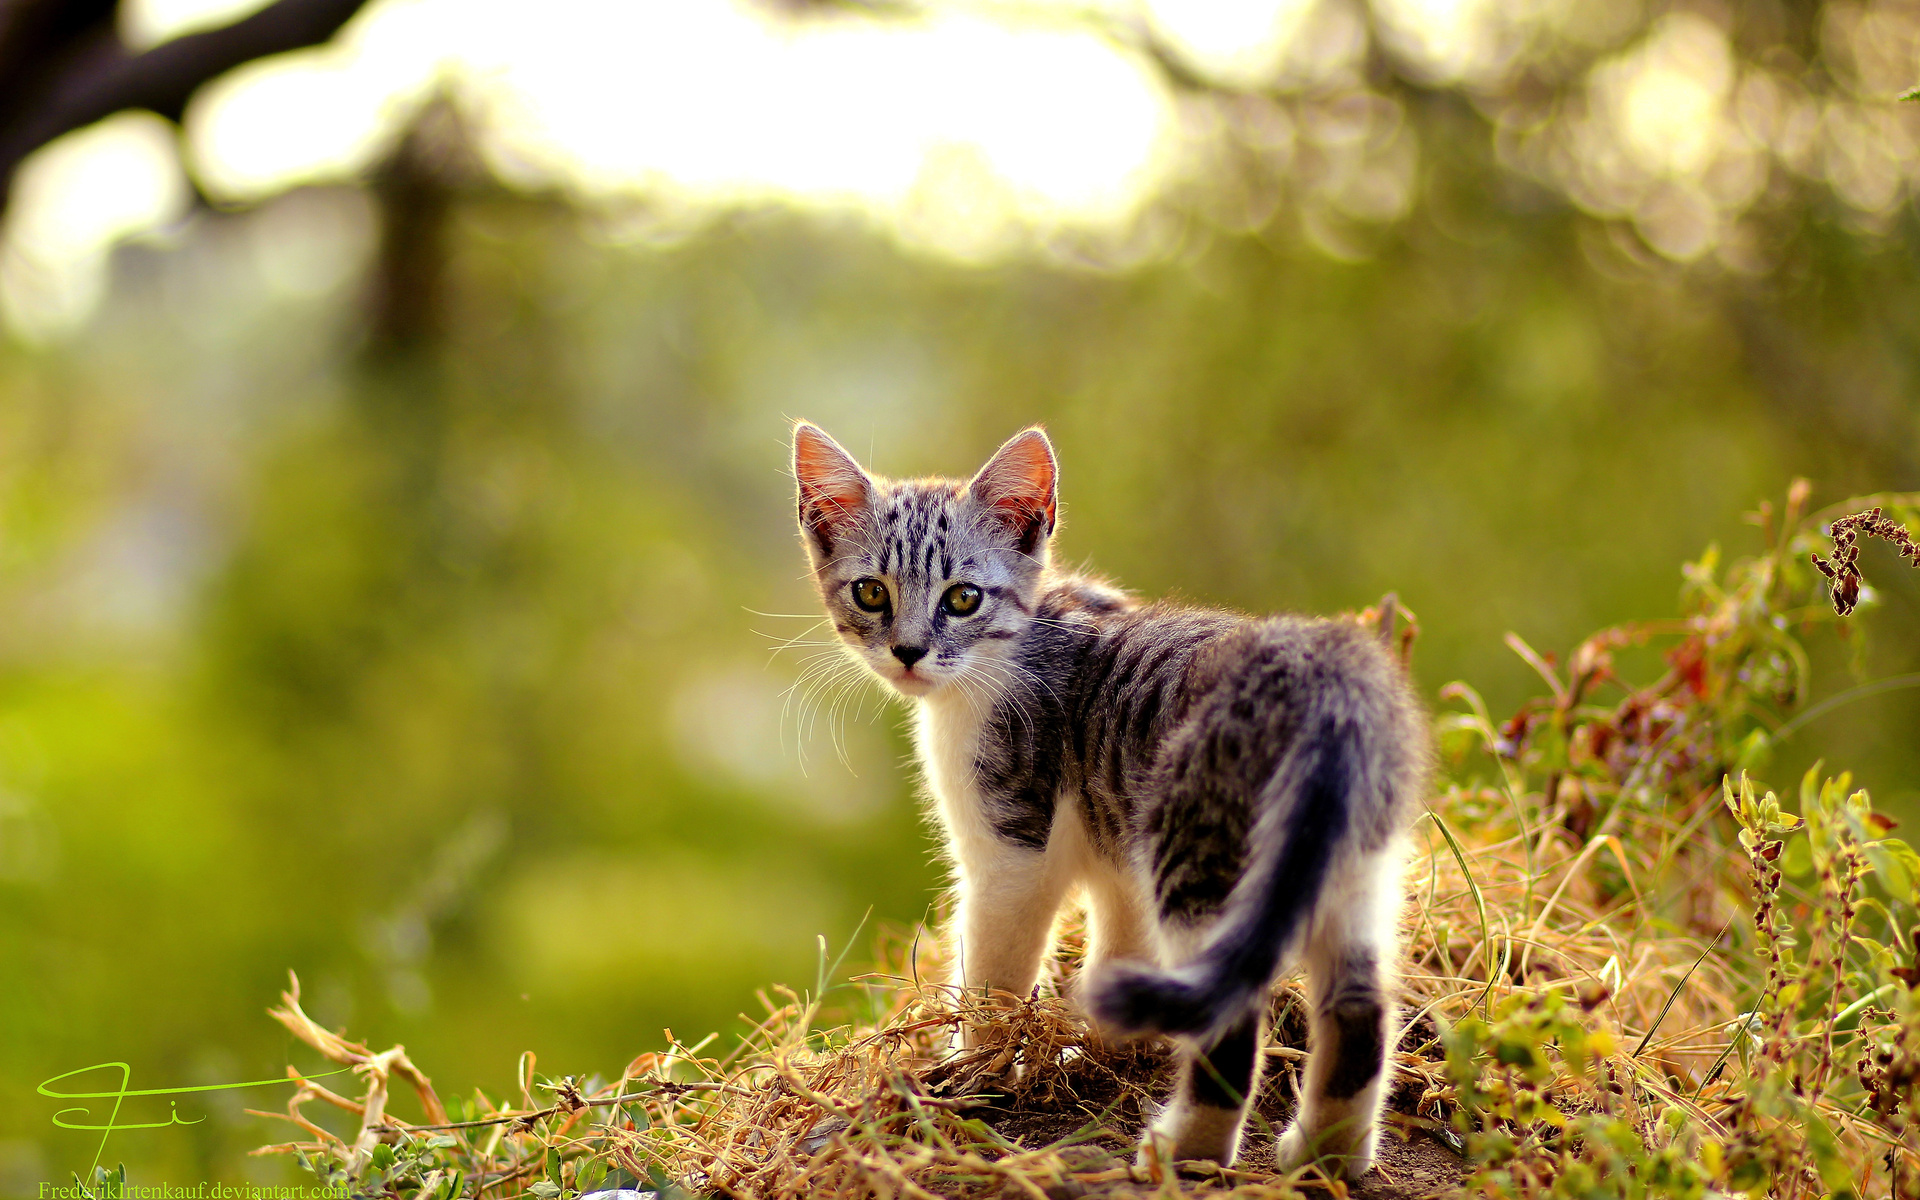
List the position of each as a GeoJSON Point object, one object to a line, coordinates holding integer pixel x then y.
{"type": "Point", "coordinates": [1843, 572]}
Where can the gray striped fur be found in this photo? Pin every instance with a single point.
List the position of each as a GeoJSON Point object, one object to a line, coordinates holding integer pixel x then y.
{"type": "Point", "coordinates": [1226, 792]}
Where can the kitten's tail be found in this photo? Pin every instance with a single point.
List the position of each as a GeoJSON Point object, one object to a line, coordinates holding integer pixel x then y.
{"type": "Point", "coordinates": [1308, 822]}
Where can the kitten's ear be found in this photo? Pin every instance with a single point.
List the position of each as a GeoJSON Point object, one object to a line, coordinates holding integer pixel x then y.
{"type": "Point", "coordinates": [834, 491]}
{"type": "Point", "coordinates": [1018, 486]}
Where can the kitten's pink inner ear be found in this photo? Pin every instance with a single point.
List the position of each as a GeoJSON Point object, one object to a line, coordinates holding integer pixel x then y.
{"type": "Point", "coordinates": [1018, 485]}
{"type": "Point", "coordinates": [832, 485]}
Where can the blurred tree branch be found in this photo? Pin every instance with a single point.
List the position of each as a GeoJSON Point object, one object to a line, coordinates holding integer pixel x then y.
{"type": "Point", "coordinates": [63, 65]}
{"type": "Point", "coordinates": [429, 170]}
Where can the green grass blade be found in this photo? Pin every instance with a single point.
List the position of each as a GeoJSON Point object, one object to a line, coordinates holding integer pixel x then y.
{"type": "Point", "coordinates": [1675, 993]}
{"type": "Point", "coordinates": [1479, 901]}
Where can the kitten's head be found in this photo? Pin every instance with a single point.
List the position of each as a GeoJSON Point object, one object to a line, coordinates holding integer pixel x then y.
{"type": "Point", "coordinates": [927, 579]}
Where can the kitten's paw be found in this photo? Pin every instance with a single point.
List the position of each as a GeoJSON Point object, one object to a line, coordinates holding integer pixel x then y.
{"type": "Point", "coordinates": [1192, 1133]}
{"type": "Point", "coordinates": [1291, 1150]}
{"type": "Point", "coordinates": [1153, 1149]}
{"type": "Point", "coordinates": [1295, 1149]}
{"type": "Point", "coordinates": [1171, 1160]}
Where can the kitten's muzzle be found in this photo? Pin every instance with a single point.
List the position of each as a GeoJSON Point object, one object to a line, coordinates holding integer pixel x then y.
{"type": "Point", "coordinates": [909, 655]}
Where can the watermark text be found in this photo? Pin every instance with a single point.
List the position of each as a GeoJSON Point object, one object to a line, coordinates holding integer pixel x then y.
{"type": "Point", "coordinates": [204, 1190]}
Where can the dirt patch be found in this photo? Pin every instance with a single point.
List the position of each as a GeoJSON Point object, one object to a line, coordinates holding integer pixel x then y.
{"type": "Point", "coordinates": [1101, 1097]}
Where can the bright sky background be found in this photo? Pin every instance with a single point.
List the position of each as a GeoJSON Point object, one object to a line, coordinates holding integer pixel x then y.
{"type": "Point", "coordinates": [960, 126]}
{"type": "Point", "coordinates": [963, 130]}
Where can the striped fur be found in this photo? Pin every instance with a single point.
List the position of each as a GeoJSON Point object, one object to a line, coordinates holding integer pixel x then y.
{"type": "Point", "coordinates": [1226, 792]}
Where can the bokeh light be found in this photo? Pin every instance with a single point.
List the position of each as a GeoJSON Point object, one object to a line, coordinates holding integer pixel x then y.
{"type": "Point", "coordinates": [72, 202]}
{"type": "Point", "coordinates": [983, 130]}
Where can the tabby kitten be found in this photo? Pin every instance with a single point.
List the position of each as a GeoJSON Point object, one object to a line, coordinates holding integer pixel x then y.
{"type": "Point", "coordinates": [1226, 792]}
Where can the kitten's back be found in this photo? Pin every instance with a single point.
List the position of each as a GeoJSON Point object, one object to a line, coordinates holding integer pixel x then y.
{"type": "Point", "coordinates": [1298, 745]}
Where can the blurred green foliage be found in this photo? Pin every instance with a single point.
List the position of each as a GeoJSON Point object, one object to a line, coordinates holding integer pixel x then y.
{"type": "Point", "coordinates": [442, 678]}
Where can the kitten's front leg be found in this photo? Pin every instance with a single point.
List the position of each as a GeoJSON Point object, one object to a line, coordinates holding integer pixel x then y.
{"type": "Point", "coordinates": [1117, 931]}
{"type": "Point", "coordinates": [1008, 897]}
{"type": "Point", "coordinates": [1118, 925]}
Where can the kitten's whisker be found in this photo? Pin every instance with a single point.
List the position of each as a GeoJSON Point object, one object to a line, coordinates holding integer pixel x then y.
{"type": "Point", "coordinates": [836, 733]}
{"type": "Point", "coordinates": [1030, 673]}
{"type": "Point", "coordinates": [856, 695]}
{"type": "Point", "coordinates": [810, 704]}
{"type": "Point", "coordinates": [1066, 626]}
{"type": "Point", "coordinates": [1009, 693]}
{"type": "Point", "coordinates": [968, 693]}
{"type": "Point", "coordinates": [835, 692]}
{"type": "Point", "coordinates": [820, 672]}
{"type": "Point", "coordinates": [798, 639]}
{"type": "Point", "coordinates": [815, 663]}
{"type": "Point", "coordinates": [1007, 668]}
{"type": "Point", "coordinates": [771, 650]}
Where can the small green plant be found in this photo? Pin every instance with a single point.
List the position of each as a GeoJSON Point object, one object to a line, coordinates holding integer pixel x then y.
{"type": "Point", "coordinates": [1547, 1106]}
{"type": "Point", "coordinates": [1844, 994]}
{"type": "Point", "coordinates": [105, 1184]}
{"type": "Point", "coordinates": [1543, 1112]}
{"type": "Point", "coordinates": [1779, 1062]}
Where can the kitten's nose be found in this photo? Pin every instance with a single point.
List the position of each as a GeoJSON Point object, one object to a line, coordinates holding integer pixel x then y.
{"type": "Point", "coordinates": [909, 655]}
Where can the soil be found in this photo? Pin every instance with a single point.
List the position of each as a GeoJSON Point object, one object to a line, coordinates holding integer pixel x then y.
{"type": "Point", "coordinates": [1106, 1108]}
{"type": "Point", "coordinates": [1102, 1100]}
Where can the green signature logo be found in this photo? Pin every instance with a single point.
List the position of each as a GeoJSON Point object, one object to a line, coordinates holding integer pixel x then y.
{"type": "Point", "coordinates": [119, 1097]}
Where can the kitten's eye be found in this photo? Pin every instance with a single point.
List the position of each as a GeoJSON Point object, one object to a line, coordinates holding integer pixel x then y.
{"type": "Point", "coordinates": [962, 599]}
{"type": "Point", "coordinates": [870, 594]}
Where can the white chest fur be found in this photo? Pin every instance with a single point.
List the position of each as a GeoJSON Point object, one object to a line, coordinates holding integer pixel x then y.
{"type": "Point", "coordinates": [947, 733]}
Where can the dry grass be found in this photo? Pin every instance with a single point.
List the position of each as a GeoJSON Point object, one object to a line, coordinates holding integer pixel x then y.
{"type": "Point", "coordinates": [1592, 855]}
{"type": "Point", "coordinates": [879, 1108]}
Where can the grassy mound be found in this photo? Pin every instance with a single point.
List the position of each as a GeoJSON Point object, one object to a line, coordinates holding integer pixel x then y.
{"type": "Point", "coordinates": [1629, 972]}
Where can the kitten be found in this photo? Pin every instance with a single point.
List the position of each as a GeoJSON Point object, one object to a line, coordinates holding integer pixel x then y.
{"type": "Point", "coordinates": [1226, 792]}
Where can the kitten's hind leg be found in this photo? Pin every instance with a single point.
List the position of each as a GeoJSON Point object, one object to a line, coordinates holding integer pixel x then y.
{"type": "Point", "coordinates": [1211, 1096]}
{"type": "Point", "coordinates": [1350, 1029]}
